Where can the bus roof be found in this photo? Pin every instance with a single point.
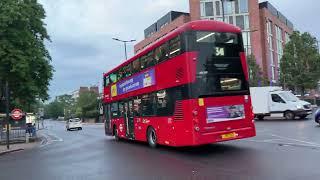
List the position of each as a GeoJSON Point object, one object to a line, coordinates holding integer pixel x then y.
{"type": "Point", "coordinates": [204, 25]}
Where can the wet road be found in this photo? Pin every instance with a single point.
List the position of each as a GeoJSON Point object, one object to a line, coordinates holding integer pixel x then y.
{"type": "Point", "coordinates": [282, 150]}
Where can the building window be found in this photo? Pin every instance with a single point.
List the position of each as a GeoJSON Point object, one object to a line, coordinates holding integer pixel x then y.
{"type": "Point", "coordinates": [273, 73]}
{"type": "Point", "coordinates": [270, 41]}
{"type": "Point", "coordinates": [218, 8]}
{"type": "Point", "coordinates": [202, 9]}
{"type": "Point", "coordinates": [236, 6]}
{"type": "Point", "coordinates": [240, 21]}
{"type": "Point", "coordinates": [219, 19]}
{"type": "Point", "coordinates": [209, 8]}
{"type": "Point", "coordinates": [279, 43]}
{"type": "Point", "coordinates": [228, 7]}
{"type": "Point", "coordinates": [243, 6]}
{"type": "Point", "coordinates": [230, 19]}
{"type": "Point", "coordinates": [246, 22]}
{"type": "Point", "coordinates": [247, 41]}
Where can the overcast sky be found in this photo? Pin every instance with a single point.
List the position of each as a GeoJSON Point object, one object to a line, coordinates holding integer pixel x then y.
{"type": "Point", "coordinates": [81, 32]}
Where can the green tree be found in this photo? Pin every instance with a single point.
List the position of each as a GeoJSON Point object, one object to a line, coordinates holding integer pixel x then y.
{"type": "Point", "coordinates": [69, 105]}
{"type": "Point", "coordinates": [255, 73]}
{"type": "Point", "coordinates": [24, 59]}
{"type": "Point", "coordinates": [54, 109]}
{"type": "Point", "coordinates": [87, 105]}
{"type": "Point", "coordinates": [300, 64]}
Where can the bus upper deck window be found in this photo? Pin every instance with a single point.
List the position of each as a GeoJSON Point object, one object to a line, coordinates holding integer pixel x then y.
{"type": "Point", "coordinates": [161, 53]}
{"type": "Point", "coordinates": [113, 78]}
{"type": "Point", "coordinates": [136, 66]}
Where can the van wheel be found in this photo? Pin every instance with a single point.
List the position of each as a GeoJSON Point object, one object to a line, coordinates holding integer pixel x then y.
{"type": "Point", "coordinates": [260, 117]}
{"type": "Point", "coordinates": [152, 137]}
{"type": "Point", "coordinates": [289, 115]}
{"type": "Point", "coordinates": [303, 117]}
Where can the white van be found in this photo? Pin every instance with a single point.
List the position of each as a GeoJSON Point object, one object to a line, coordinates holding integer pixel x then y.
{"type": "Point", "coordinates": [275, 102]}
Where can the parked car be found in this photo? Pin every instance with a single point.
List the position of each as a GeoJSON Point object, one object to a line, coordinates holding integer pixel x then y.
{"type": "Point", "coordinates": [74, 123]}
{"type": "Point", "coordinates": [275, 102]}
{"type": "Point", "coordinates": [317, 116]}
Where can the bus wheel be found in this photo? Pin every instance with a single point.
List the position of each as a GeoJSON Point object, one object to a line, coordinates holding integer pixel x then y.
{"type": "Point", "coordinates": [152, 137]}
{"type": "Point", "coordinates": [115, 132]}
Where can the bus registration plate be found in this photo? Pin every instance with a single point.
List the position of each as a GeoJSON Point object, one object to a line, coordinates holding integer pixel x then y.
{"type": "Point", "coordinates": [229, 136]}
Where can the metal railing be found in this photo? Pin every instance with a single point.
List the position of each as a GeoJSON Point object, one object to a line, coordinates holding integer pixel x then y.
{"type": "Point", "coordinates": [15, 135]}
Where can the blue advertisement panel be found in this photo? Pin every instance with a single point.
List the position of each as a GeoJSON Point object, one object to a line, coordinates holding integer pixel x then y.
{"type": "Point", "coordinates": [225, 113]}
{"type": "Point", "coordinates": [136, 82]}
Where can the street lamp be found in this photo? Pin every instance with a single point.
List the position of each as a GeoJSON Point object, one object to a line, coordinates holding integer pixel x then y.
{"type": "Point", "coordinates": [222, 4]}
{"type": "Point", "coordinates": [125, 45]}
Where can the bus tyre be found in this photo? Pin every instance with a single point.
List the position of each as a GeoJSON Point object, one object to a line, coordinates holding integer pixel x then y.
{"type": "Point", "coordinates": [115, 132]}
{"type": "Point", "coordinates": [152, 137]}
{"type": "Point", "coordinates": [289, 115]}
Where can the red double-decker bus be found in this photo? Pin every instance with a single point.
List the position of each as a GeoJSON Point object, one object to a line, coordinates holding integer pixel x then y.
{"type": "Point", "coordinates": [189, 88]}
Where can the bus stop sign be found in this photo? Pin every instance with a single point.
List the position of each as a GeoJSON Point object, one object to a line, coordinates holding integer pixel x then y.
{"type": "Point", "coordinates": [16, 114]}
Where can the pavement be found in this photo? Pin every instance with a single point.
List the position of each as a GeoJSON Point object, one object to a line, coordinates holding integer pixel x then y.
{"type": "Point", "coordinates": [282, 150]}
{"type": "Point", "coordinates": [20, 146]}
{"type": "Point", "coordinates": [16, 147]}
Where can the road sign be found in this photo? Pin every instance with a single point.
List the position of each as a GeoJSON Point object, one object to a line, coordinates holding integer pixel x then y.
{"type": "Point", "coordinates": [16, 114]}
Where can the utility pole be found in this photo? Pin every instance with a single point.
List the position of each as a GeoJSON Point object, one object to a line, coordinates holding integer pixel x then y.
{"type": "Point", "coordinates": [7, 113]}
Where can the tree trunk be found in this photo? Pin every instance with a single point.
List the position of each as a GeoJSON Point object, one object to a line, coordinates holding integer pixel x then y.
{"type": "Point", "coordinates": [302, 91]}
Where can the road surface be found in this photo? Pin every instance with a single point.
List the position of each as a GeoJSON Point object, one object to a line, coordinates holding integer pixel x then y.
{"type": "Point", "coordinates": [282, 150]}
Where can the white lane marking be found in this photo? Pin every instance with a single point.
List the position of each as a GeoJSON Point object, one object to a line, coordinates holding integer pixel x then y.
{"type": "Point", "coordinates": [284, 143]}
{"type": "Point", "coordinates": [270, 140]}
{"type": "Point", "coordinates": [297, 140]}
{"type": "Point", "coordinates": [50, 138]}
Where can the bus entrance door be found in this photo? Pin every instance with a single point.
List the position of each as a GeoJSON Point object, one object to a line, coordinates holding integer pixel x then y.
{"type": "Point", "coordinates": [108, 128]}
{"type": "Point", "coordinates": [128, 117]}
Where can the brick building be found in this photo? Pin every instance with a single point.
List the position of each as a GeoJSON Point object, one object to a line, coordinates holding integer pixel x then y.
{"type": "Point", "coordinates": [265, 29]}
{"type": "Point", "coordinates": [163, 26]}
{"type": "Point", "coordinates": [76, 94]}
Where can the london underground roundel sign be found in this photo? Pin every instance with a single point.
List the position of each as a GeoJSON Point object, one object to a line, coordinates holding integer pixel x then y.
{"type": "Point", "coordinates": [16, 114]}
